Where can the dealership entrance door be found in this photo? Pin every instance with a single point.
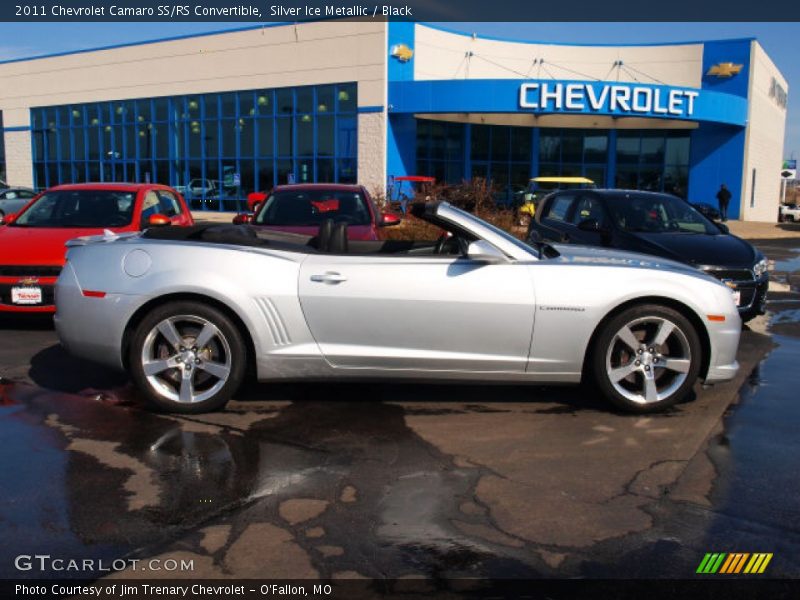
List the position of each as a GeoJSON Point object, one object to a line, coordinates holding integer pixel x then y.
{"type": "Point", "coordinates": [509, 150]}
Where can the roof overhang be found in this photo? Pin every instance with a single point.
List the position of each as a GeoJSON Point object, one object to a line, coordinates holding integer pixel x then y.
{"type": "Point", "coordinates": [559, 120]}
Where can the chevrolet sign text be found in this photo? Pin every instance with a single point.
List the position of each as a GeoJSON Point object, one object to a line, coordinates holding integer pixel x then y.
{"type": "Point", "coordinates": [608, 98]}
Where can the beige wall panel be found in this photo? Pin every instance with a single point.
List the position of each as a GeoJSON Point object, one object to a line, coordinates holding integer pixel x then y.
{"type": "Point", "coordinates": [19, 164]}
{"type": "Point", "coordinates": [442, 55]}
{"type": "Point", "coordinates": [764, 140]}
{"type": "Point", "coordinates": [372, 151]}
{"type": "Point", "coordinates": [312, 53]}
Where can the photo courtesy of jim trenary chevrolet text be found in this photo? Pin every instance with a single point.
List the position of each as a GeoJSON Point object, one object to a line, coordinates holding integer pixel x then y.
{"type": "Point", "coordinates": [339, 299]}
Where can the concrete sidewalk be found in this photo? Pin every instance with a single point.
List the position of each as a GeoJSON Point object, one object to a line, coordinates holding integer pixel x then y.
{"type": "Point", "coordinates": [212, 216]}
{"type": "Point", "coordinates": [764, 231]}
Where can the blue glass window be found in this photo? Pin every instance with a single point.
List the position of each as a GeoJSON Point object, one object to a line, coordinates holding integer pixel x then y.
{"type": "Point", "coordinates": [653, 160]}
{"type": "Point", "coordinates": [215, 148]}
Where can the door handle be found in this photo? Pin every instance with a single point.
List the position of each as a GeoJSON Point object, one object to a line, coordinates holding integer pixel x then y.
{"type": "Point", "coordinates": [329, 277]}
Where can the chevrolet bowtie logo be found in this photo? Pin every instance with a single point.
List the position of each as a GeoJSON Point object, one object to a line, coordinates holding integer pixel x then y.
{"type": "Point", "coordinates": [402, 52]}
{"type": "Point", "coordinates": [28, 281]}
{"type": "Point", "coordinates": [724, 69]}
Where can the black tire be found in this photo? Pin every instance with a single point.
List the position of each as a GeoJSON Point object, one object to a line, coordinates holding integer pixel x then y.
{"type": "Point", "coordinates": [682, 347]}
{"type": "Point", "coordinates": [226, 349]}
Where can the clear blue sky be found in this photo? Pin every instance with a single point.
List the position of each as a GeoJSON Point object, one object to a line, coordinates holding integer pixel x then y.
{"type": "Point", "coordinates": [779, 39]}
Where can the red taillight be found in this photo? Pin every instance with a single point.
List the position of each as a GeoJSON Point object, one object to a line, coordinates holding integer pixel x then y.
{"type": "Point", "coordinates": [94, 294]}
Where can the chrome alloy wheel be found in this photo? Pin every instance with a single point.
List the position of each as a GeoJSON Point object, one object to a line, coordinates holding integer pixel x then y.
{"type": "Point", "coordinates": [648, 359]}
{"type": "Point", "coordinates": [186, 359]}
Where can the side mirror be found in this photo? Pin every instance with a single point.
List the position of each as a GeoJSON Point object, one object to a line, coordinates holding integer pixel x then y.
{"type": "Point", "coordinates": [158, 220]}
{"type": "Point", "coordinates": [483, 250]}
{"type": "Point", "coordinates": [244, 218]}
{"type": "Point", "coordinates": [390, 219]}
{"type": "Point", "coordinates": [6, 219]}
{"type": "Point", "coordinates": [723, 228]}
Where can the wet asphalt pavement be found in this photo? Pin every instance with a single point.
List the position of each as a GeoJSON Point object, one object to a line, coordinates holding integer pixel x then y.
{"type": "Point", "coordinates": [392, 481]}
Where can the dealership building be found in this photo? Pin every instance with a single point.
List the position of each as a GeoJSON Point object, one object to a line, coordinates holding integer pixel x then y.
{"type": "Point", "coordinates": [228, 113]}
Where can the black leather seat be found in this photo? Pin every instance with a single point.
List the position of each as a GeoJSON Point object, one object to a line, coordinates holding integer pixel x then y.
{"type": "Point", "coordinates": [323, 239]}
{"type": "Point", "coordinates": [338, 242]}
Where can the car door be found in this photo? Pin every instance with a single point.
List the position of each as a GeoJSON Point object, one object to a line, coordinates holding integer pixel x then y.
{"type": "Point", "coordinates": [553, 224]}
{"type": "Point", "coordinates": [424, 313]}
{"type": "Point", "coordinates": [171, 207]}
{"type": "Point", "coordinates": [587, 207]}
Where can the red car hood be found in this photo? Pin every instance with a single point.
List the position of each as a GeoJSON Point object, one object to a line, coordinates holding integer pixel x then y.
{"type": "Point", "coordinates": [37, 245]}
{"type": "Point", "coordinates": [354, 232]}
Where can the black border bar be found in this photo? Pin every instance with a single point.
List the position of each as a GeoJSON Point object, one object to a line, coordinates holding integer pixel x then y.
{"type": "Point", "coordinates": [264, 11]}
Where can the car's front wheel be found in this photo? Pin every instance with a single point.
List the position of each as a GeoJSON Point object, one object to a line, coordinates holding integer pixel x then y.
{"type": "Point", "coordinates": [646, 358]}
{"type": "Point", "coordinates": [187, 357]}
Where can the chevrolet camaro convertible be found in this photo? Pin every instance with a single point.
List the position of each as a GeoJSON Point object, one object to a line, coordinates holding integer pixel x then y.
{"type": "Point", "coordinates": [189, 311]}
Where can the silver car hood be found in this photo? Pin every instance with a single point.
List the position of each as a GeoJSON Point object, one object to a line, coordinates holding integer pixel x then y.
{"type": "Point", "coordinates": [590, 255]}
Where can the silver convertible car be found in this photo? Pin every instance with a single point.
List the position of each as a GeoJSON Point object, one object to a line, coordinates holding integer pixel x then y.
{"type": "Point", "coordinates": [189, 311]}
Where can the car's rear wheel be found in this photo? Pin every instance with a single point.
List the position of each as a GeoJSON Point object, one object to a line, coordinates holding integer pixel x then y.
{"type": "Point", "coordinates": [646, 358]}
{"type": "Point", "coordinates": [187, 357]}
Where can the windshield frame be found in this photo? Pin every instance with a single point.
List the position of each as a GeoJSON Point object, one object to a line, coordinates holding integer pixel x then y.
{"type": "Point", "coordinates": [458, 221]}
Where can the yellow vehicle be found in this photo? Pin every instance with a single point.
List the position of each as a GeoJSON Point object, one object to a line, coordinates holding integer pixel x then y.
{"type": "Point", "coordinates": [539, 187]}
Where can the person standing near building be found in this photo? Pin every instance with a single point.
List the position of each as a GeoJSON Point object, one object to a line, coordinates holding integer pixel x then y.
{"type": "Point", "coordinates": [723, 196]}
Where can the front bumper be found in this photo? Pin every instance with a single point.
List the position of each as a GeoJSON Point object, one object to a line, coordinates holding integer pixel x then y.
{"type": "Point", "coordinates": [722, 373]}
{"type": "Point", "coordinates": [724, 341]}
{"type": "Point", "coordinates": [45, 284]}
{"type": "Point", "coordinates": [754, 296]}
{"type": "Point", "coordinates": [753, 290]}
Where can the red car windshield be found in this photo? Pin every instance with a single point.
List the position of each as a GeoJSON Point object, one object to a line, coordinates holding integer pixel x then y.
{"type": "Point", "coordinates": [79, 208]}
{"type": "Point", "coordinates": [310, 208]}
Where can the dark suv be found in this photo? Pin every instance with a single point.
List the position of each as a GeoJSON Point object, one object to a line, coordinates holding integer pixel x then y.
{"type": "Point", "coordinates": [658, 224]}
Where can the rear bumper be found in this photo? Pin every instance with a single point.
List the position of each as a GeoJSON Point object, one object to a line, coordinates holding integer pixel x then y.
{"type": "Point", "coordinates": [100, 339]}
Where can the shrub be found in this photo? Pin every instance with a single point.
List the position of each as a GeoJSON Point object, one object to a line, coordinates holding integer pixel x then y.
{"type": "Point", "coordinates": [476, 196]}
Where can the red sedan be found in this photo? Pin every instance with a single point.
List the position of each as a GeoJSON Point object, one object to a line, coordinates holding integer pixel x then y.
{"type": "Point", "coordinates": [32, 240]}
{"type": "Point", "coordinates": [301, 208]}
